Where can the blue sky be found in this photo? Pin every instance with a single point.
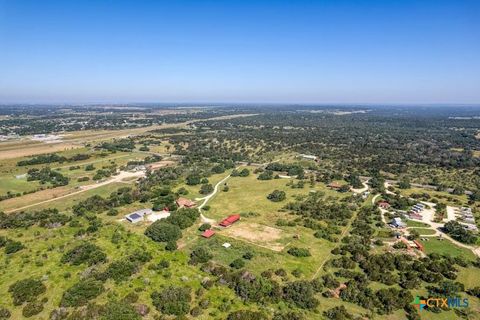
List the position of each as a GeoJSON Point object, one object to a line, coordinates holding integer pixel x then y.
{"type": "Point", "coordinates": [422, 51]}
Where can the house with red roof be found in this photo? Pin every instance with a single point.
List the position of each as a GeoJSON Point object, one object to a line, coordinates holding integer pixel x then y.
{"type": "Point", "coordinates": [208, 233]}
{"type": "Point", "coordinates": [230, 220]}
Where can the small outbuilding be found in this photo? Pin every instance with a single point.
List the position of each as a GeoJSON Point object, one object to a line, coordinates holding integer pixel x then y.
{"type": "Point", "coordinates": [208, 233]}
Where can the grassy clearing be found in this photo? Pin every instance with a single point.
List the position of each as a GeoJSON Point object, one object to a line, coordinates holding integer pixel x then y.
{"type": "Point", "coordinates": [416, 224]}
{"type": "Point", "coordinates": [423, 231]}
{"type": "Point", "coordinates": [434, 245]}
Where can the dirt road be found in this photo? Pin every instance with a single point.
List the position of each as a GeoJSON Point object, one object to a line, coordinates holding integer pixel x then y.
{"type": "Point", "coordinates": [207, 198]}
{"type": "Point", "coordinates": [118, 178]}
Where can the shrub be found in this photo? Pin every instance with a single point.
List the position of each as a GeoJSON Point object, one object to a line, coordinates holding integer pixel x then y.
{"type": "Point", "coordinates": [248, 255]}
{"type": "Point", "coordinates": [266, 175]}
{"type": "Point", "coordinates": [13, 246]}
{"type": "Point", "coordinates": [80, 293]}
{"type": "Point", "coordinates": [172, 300]}
{"type": "Point", "coordinates": [301, 293]}
{"type": "Point", "coordinates": [4, 313]}
{"type": "Point", "coordinates": [120, 270]}
{"type": "Point", "coordinates": [171, 246]}
{"type": "Point", "coordinates": [204, 227]}
{"type": "Point", "coordinates": [112, 212]}
{"type": "Point", "coordinates": [400, 245]}
{"type": "Point", "coordinates": [163, 232]}
{"type": "Point", "coordinates": [276, 196]}
{"type": "Point", "coordinates": [116, 310]}
{"type": "Point", "coordinates": [200, 255]}
{"type": "Point", "coordinates": [84, 253]}
{"type": "Point", "coordinates": [299, 252]}
{"type": "Point", "coordinates": [32, 308]}
{"type": "Point", "coordinates": [237, 263]}
{"type": "Point", "coordinates": [26, 290]}
{"type": "Point", "coordinates": [246, 315]}
{"type": "Point", "coordinates": [339, 312]}
{"type": "Point", "coordinates": [206, 188]}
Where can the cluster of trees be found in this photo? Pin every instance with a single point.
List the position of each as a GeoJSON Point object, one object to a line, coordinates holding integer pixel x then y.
{"type": "Point", "coordinates": [242, 173]}
{"type": "Point", "coordinates": [105, 172]}
{"type": "Point", "coordinates": [47, 218]}
{"type": "Point", "coordinates": [51, 158]}
{"type": "Point", "coordinates": [46, 175]}
{"type": "Point", "coordinates": [85, 253]}
{"type": "Point", "coordinates": [172, 300]}
{"type": "Point", "coordinates": [27, 291]}
{"type": "Point", "coordinates": [459, 233]}
{"type": "Point", "coordinates": [126, 144]}
{"type": "Point", "coordinates": [355, 143]}
{"type": "Point", "coordinates": [92, 286]}
{"type": "Point", "coordinates": [264, 289]}
{"type": "Point", "coordinates": [323, 217]}
{"type": "Point", "coordinates": [291, 169]}
{"type": "Point", "coordinates": [299, 252]}
{"type": "Point", "coordinates": [169, 230]}
{"type": "Point", "coordinates": [98, 204]}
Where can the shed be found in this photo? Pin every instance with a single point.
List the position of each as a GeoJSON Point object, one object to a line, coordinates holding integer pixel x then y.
{"type": "Point", "coordinates": [208, 233]}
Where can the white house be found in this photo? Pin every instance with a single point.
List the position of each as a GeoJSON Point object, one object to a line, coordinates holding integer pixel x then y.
{"type": "Point", "coordinates": [138, 215]}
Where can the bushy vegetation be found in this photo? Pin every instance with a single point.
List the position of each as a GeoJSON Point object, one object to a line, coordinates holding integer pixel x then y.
{"type": "Point", "coordinates": [172, 300]}
{"type": "Point", "coordinates": [82, 292]}
{"type": "Point", "coordinates": [87, 253]}
{"type": "Point", "coordinates": [26, 290]}
{"type": "Point", "coordinates": [458, 232]}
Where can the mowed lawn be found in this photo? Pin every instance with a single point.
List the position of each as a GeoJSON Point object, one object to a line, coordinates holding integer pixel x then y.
{"type": "Point", "coordinates": [423, 231]}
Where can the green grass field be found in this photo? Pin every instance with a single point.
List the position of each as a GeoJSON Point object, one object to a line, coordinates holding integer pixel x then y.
{"type": "Point", "coordinates": [423, 231]}
{"type": "Point", "coordinates": [434, 245]}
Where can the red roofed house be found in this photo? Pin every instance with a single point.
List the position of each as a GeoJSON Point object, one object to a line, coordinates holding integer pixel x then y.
{"type": "Point", "coordinates": [208, 233]}
{"type": "Point", "coordinates": [230, 220]}
{"type": "Point", "coordinates": [384, 204]}
{"type": "Point", "coordinates": [185, 203]}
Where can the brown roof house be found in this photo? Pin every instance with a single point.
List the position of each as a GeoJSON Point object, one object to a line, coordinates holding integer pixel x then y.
{"type": "Point", "coordinates": [185, 203]}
